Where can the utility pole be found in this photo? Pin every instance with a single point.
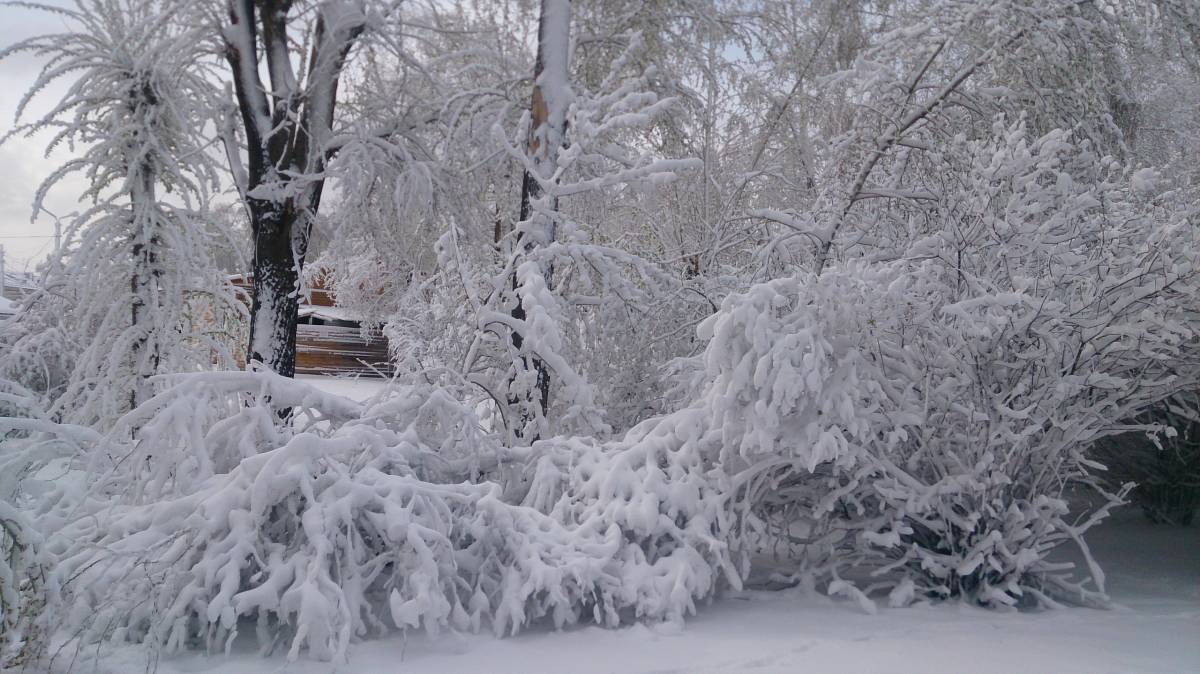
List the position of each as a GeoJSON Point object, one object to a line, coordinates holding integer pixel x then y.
{"type": "Point", "coordinates": [3, 278]}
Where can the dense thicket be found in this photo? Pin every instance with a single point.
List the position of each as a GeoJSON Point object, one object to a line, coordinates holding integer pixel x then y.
{"type": "Point", "coordinates": [863, 296]}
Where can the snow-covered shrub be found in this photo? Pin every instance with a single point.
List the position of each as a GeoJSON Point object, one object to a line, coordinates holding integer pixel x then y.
{"type": "Point", "coordinates": [24, 594]}
{"type": "Point", "coordinates": [35, 495]}
{"type": "Point", "coordinates": [377, 516]}
{"type": "Point", "coordinates": [1048, 306]}
{"type": "Point", "coordinates": [32, 439]}
{"type": "Point", "coordinates": [34, 448]}
{"type": "Point", "coordinates": [939, 476]}
{"type": "Point", "coordinates": [37, 351]}
{"type": "Point", "coordinates": [403, 507]}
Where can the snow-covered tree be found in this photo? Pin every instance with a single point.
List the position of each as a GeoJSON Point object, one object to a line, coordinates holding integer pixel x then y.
{"type": "Point", "coordinates": [127, 295]}
{"type": "Point", "coordinates": [538, 222]}
{"type": "Point", "coordinates": [23, 594]}
{"type": "Point", "coordinates": [286, 126]}
{"type": "Point", "coordinates": [844, 293]}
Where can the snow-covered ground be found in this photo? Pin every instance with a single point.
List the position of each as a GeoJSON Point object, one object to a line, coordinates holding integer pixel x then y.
{"type": "Point", "coordinates": [1153, 577]}
{"type": "Point", "coordinates": [1153, 571]}
{"type": "Point", "coordinates": [354, 388]}
{"type": "Point", "coordinates": [1153, 574]}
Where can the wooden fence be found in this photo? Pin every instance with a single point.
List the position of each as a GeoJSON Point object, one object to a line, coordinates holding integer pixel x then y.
{"type": "Point", "coordinates": [333, 350]}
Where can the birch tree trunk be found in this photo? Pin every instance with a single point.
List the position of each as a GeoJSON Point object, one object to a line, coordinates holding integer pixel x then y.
{"type": "Point", "coordinates": [146, 239]}
{"type": "Point", "coordinates": [547, 132]}
{"type": "Point", "coordinates": [144, 284]}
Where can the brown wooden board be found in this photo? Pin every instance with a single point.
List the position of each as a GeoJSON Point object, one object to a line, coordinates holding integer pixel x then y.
{"type": "Point", "coordinates": [324, 349]}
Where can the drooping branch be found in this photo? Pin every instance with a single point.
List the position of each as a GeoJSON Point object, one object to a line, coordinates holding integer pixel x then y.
{"type": "Point", "coordinates": [893, 136]}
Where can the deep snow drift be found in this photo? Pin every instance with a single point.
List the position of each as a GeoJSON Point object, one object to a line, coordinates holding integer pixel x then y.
{"type": "Point", "coordinates": [1154, 579]}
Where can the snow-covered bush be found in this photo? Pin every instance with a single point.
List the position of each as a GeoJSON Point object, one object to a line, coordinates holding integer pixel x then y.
{"type": "Point", "coordinates": [34, 448]}
{"type": "Point", "coordinates": [377, 516]}
{"type": "Point", "coordinates": [1048, 306]}
{"type": "Point", "coordinates": [36, 351]}
{"type": "Point", "coordinates": [23, 591]}
{"type": "Point", "coordinates": [942, 478]}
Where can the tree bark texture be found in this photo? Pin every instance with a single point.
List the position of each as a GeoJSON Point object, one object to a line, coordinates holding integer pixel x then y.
{"type": "Point", "coordinates": [285, 127]}
{"type": "Point", "coordinates": [547, 131]}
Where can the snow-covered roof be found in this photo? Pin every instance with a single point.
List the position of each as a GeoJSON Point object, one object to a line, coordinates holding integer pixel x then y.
{"type": "Point", "coordinates": [328, 313]}
{"type": "Point", "coordinates": [308, 309]}
{"type": "Point", "coordinates": [7, 307]}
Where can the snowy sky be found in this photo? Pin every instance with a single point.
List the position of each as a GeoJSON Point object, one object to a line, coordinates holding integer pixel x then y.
{"type": "Point", "coordinates": [23, 164]}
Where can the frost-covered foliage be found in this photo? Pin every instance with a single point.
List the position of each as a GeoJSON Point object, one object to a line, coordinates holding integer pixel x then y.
{"type": "Point", "coordinates": [848, 294]}
{"type": "Point", "coordinates": [37, 347]}
{"type": "Point", "coordinates": [23, 592]}
{"type": "Point", "coordinates": [938, 491]}
{"type": "Point", "coordinates": [1008, 343]}
{"type": "Point", "coordinates": [134, 289]}
{"type": "Point", "coordinates": [378, 516]}
{"type": "Point", "coordinates": [30, 441]}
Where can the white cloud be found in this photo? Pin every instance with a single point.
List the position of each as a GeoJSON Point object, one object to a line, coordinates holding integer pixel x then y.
{"type": "Point", "coordinates": [23, 164]}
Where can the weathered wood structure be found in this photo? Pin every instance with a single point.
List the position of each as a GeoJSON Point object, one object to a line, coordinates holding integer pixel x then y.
{"type": "Point", "coordinates": [330, 340]}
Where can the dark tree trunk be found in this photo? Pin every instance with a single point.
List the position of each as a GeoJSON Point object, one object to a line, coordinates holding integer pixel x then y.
{"type": "Point", "coordinates": [276, 303]}
{"type": "Point", "coordinates": [530, 190]}
{"type": "Point", "coordinates": [285, 127]}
